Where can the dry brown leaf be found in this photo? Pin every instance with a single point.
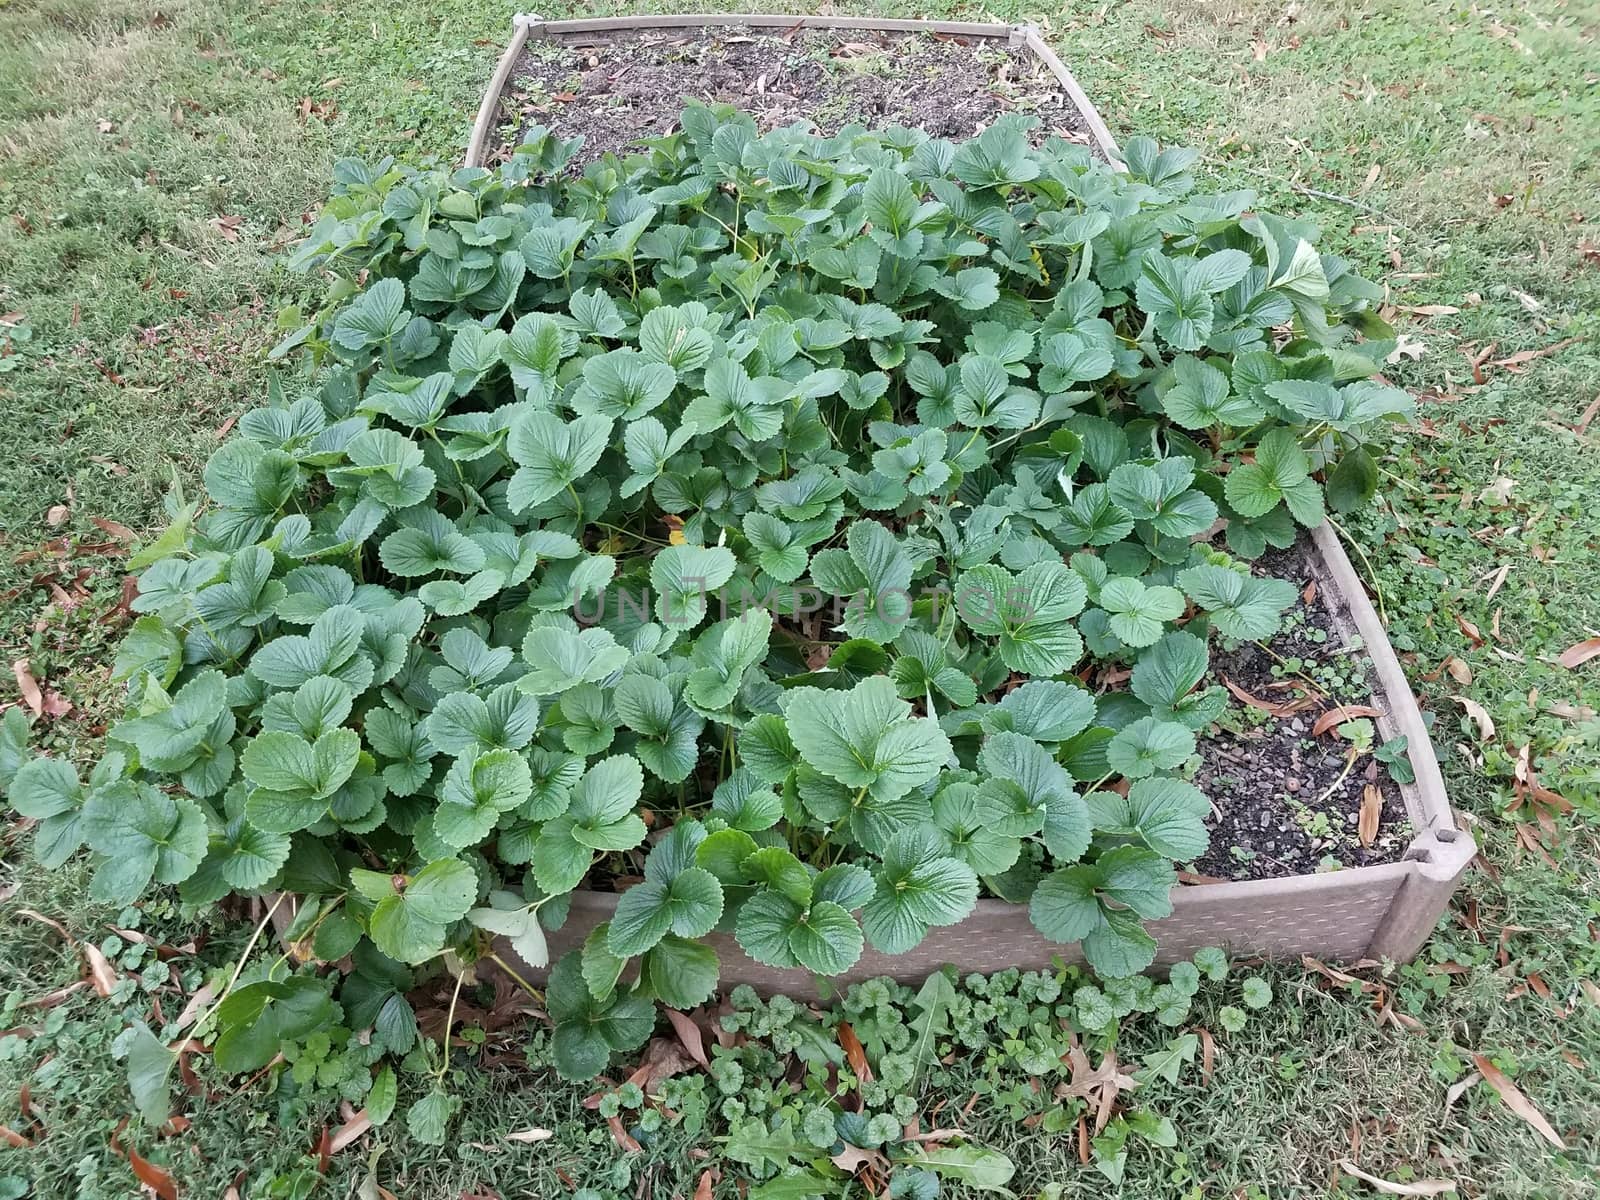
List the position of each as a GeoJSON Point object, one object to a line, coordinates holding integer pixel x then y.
{"type": "Point", "coordinates": [689, 1034]}
{"type": "Point", "coordinates": [1417, 1187]}
{"type": "Point", "coordinates": [1273, 707]}
{"type": "Point", "coordinates": [155, 1178]}
{"type": "Point", "coordinates": [1516, 1101]}
{"type": "Point", "coordinates": [349, 1131]}
{"type": "Point", "coordinates": [1513, 361]}
{"type": "Point", "coordinates": [1578, 653]}
{"type": "Point", "coordinates": [530, 1136]}
{"type": "Point", "coordinates": [1458, 1089]}
{"type": "Point", "coordinates": [622, 1137]}
{"type": "Point", "coordinates": [1208, 1054]}
{"type": "Point", "coordinates": [1371, 810]}
{"type": "Point", "coordinates": [1096, 1086]}
{"type": "Point", "coordinates": [101, 973]}
{"type": "Point", "coordinates": [702, 1190]}
{"type": "Point", "coordinates": [12, 1138]}
{"type": "Point", "coordinates": [1459, 670]}
{"type": "Point", "coordinates": [1480, 716]}
{"type": "Point", "coordinates": [1589, 414]}
{"type": "Point", "coordinates": [852, 1158]}
{"type": "Point", "coordinates": [115, 528]}
{"type": "Point", "coordinates": [1473, 634]}
{"type": "Point", "coordinates": [1499, 581]}
{"type": "Point", "coordinates": [663, 1058]}
{"type": "Point", "coordinates": [855, 1054]}
{"type": "Point", "coordinates": [56, 515]}
{"type": "Point", "coordinates": [28, 686]}
{"type": "Point", "coordinates": [31, 915]}
{"type": "Point", "coordinates": [1335, 717]}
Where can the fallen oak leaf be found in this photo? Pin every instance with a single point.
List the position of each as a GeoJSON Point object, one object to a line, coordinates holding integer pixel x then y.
{"type": "Point", "coordinates": [1480, 716]}
{"type": "Point", "coordinates": [1575, 655]}
{"type": "Point", "coordinates": [853, 1158]}
{"type": "Point", "coordinates": [1516, 1101]}
{"type": "Point", "coordinates": [1335, 717]}
{"type": "Point", "coordinates": [1416, 1187]}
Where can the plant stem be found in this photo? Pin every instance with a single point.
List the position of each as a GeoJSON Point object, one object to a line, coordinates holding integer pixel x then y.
{"type": "Point", "coordinates": [1377, 589]}
{"type": "Point", "coordinates": [1349, 762]}
{"type": "Point", "coordinates": [238, 967]}
{"type": "Point", "coordinates": [449, 1022]}
{"type": "Point", "coordinates": [516, 978]}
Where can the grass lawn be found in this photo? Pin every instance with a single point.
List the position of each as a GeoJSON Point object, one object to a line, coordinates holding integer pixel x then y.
{"type": "Point", "coordinates": [153, 164]}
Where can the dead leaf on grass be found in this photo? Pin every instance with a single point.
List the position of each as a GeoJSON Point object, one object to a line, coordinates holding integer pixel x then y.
{"type": "Point", "coordinates": [1335, 717]}
{"type": "Point", "coordinates": [12, 1138]}
{"type": "Point", "coordinates": [155, 1178]}
{"type": "Point", "coordinates": [624, 1140]}
{"type": "Point", "coordinates": [28, 686]}
{"type": "Point", "coordinates": [702, 1190]}
{"type": "Point", "coordinates": [1417, 1187]}
{"type": "Point", "coordinates": [1517, 1102]}
{"type": "Point", "coordinates": [1499, 492]}
{"type": "Point", "coordinates": [1480, 716]}
{"type": "Point", "coordinates": [530, 1136]}
{"type": "Point", "coordinates": [101, 973]}
{"type": "Point", "coordinates": [1589, 414]}
{"type": "Point", "coordinates": [1458, 1089]}
{"type": "Point", "coordinates": [1513, 361]}
{"type": "Point", "coordinates": [853, 1159]}
{"type": "Point", "coordinates": [1578, 653]}
{"type": "Point", "coordinates": [349, 1131]}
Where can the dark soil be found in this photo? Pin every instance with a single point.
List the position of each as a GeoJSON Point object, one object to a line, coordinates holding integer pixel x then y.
{"type": "Point", "coordinates": [1269, 778]}
{"type": "Point", "coordinates": [617, 89]}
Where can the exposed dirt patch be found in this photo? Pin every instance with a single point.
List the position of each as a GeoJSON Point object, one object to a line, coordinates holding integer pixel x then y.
{"type": "Point", "coordinates": [615, 90]}
{"type": "Point", "coordinates": [1282, 807]}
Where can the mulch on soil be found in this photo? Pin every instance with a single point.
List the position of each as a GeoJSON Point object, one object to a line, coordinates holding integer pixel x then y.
{"type": "Point", "coordinates": [617, 89]}
{"type": "Point", "coordinates": [1270, 783]}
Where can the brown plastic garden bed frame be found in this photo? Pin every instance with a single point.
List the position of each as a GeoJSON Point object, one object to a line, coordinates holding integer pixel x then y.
{"type": "Point", "coordinates": [1373, 912]}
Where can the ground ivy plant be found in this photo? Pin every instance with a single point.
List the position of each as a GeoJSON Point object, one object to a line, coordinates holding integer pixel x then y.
{"type": "Point", "coordinates": [800, 536]}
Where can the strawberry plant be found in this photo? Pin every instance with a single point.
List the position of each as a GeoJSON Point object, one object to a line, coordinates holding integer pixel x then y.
{"type": "Point", "coordinates": [801, 536]}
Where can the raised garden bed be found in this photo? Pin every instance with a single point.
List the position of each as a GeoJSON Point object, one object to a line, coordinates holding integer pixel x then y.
{"type": "Point", "coordinates": [616, 81]}
{"type": "Point", "coordinates": [1288, 873]}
